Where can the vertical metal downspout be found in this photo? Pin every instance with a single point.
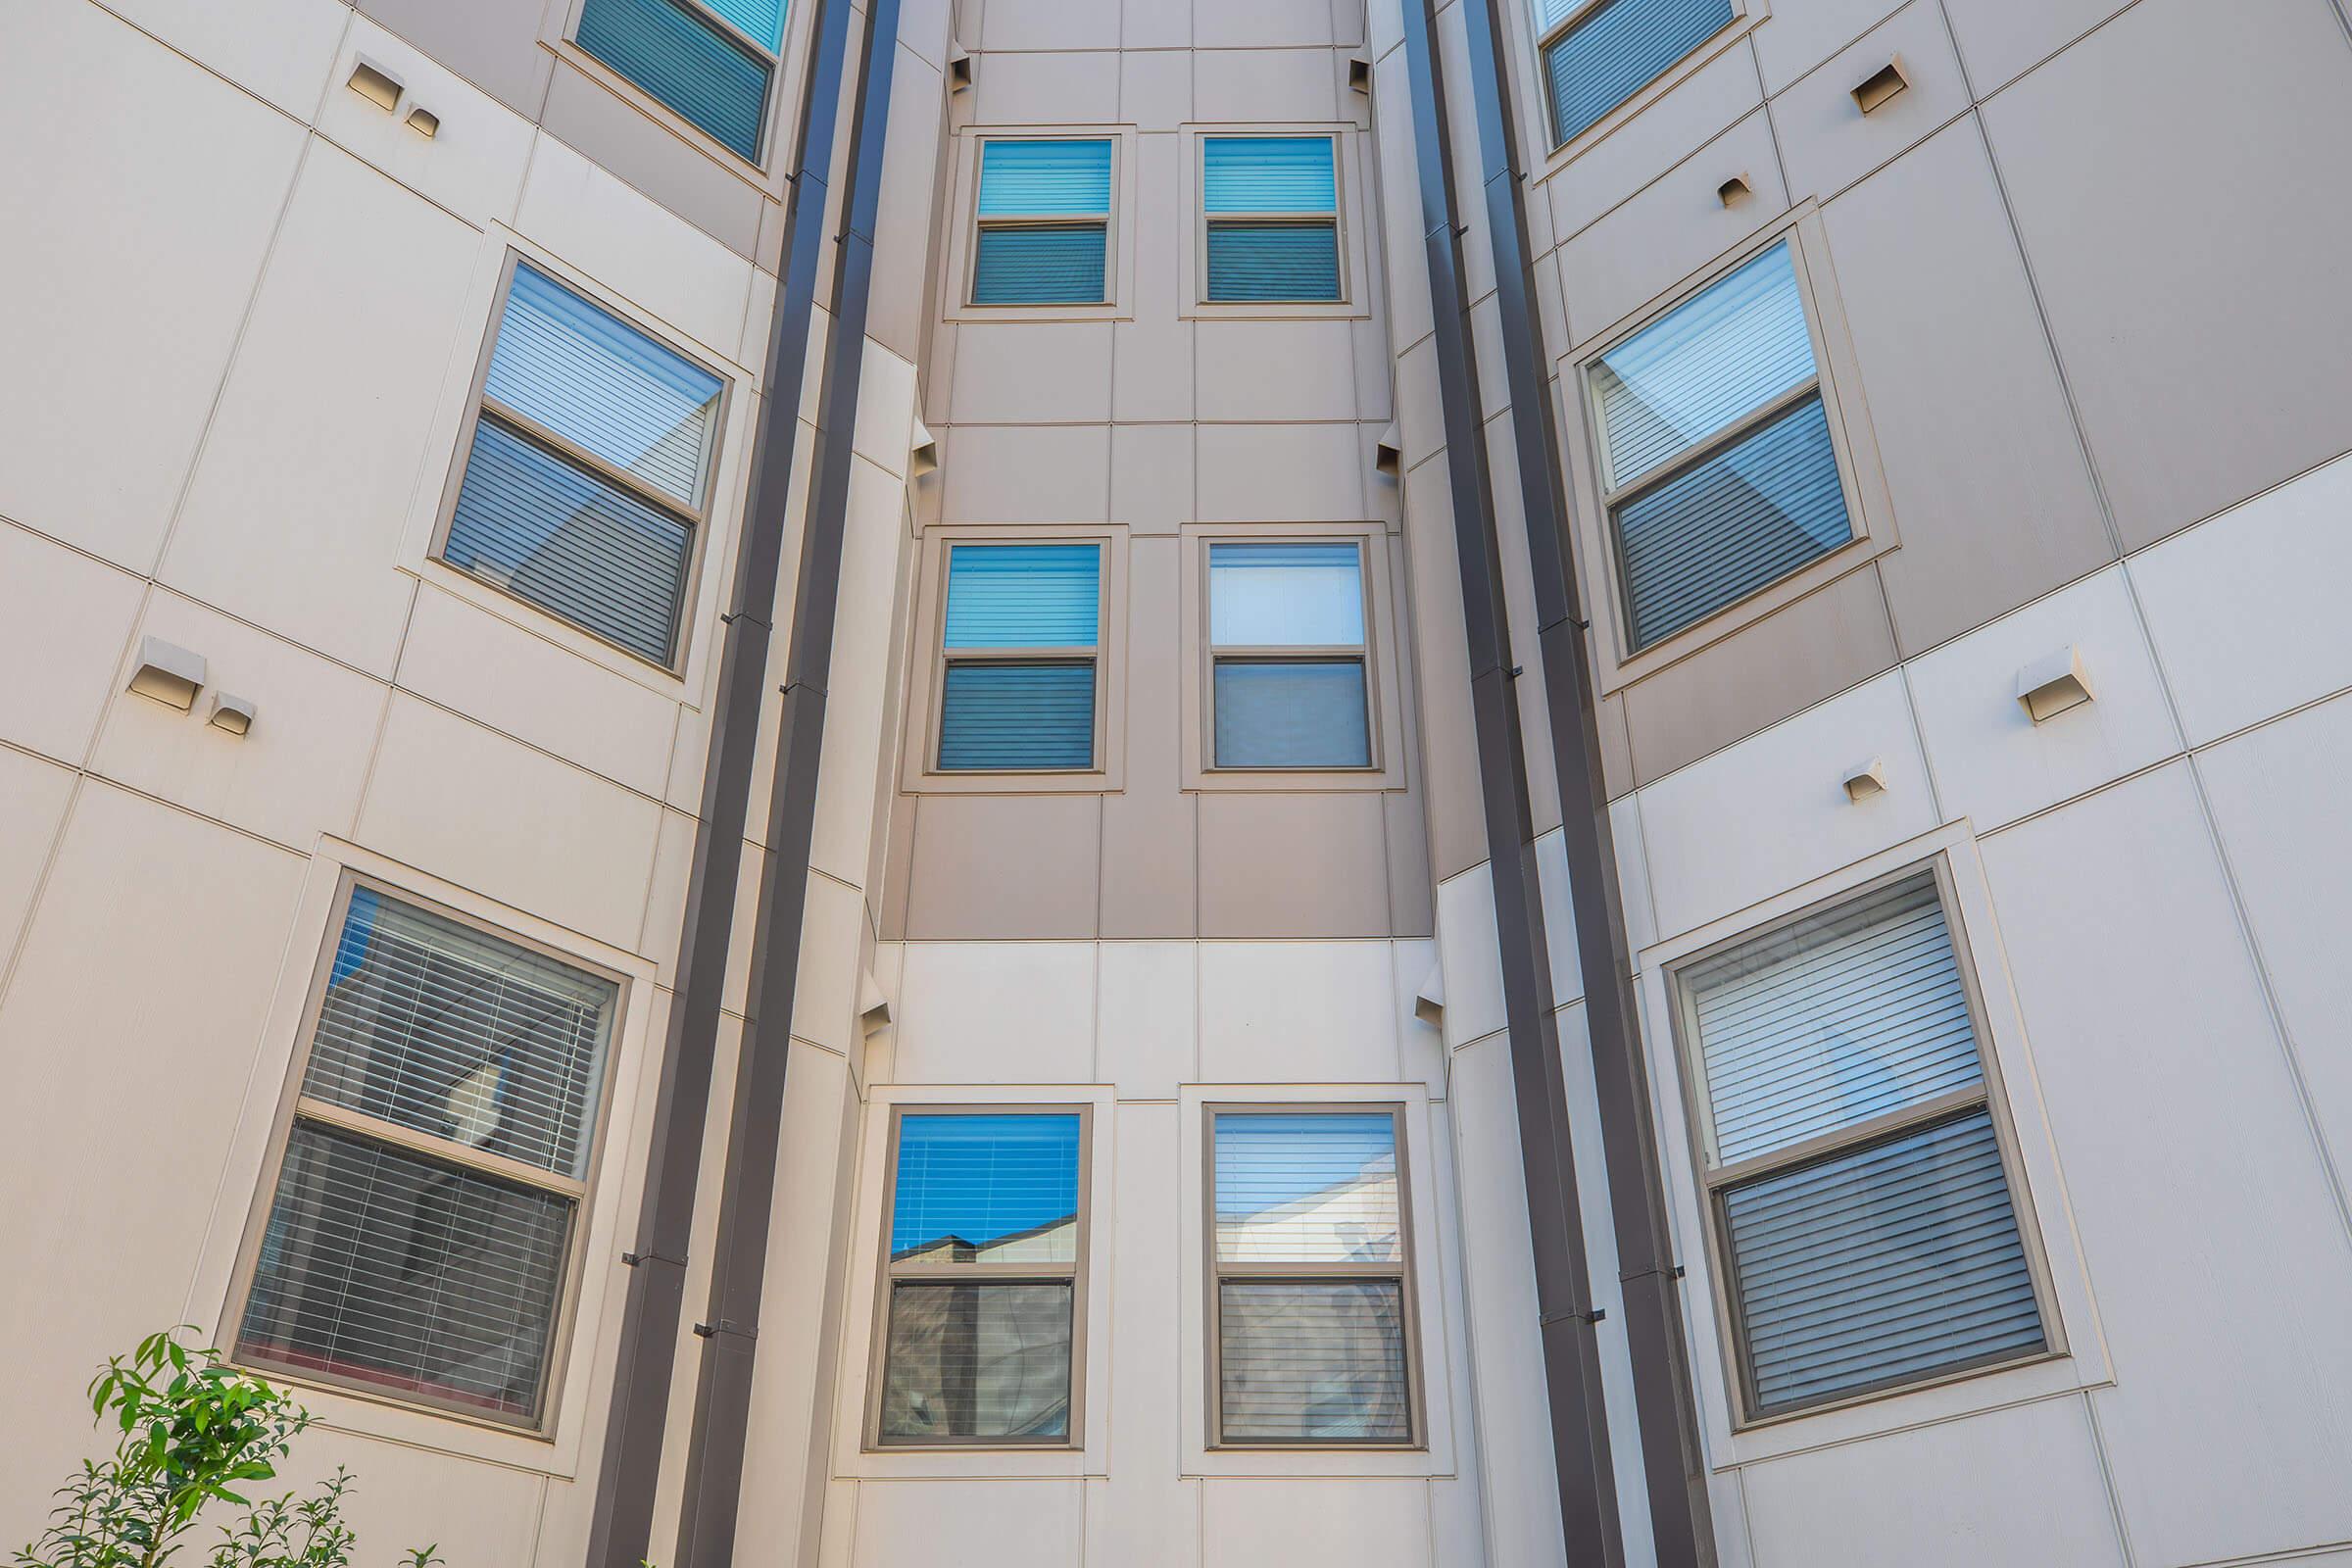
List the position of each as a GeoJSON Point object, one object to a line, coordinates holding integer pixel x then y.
{"type": "Point", "coordinates": [722, 1398]}
{"type": "Point", "coordinates": [1580, 1429]}
{"type": "Point", "coordinates": [622, 1533]}
{"type": "Point", "coordinates": [1672, 1453]}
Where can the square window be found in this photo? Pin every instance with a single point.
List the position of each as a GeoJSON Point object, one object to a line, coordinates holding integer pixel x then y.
{"type": "Point", "coordinates": [986, 1244]}
{"type": "Point", "coordinates": [422, 1222]}
{"type": "Point", "coordinates": [1270, 211]}
{"type": "Point", "coordinates": [1599, 53]}
{"type": "Point", "coordinates": [711, 63]}
{"type": "Point", "coordinates": [588, 475]}
{"type": "Point", "coordinates": [1044, 222]}
{"type": "Point", "coordinates": [1287, 650]}
{"type": "Point", "coordinates": [1020, 645]}
{"type": "Point", "coordinates": [1310, 1333]}
{"type": "Point", "coordinates": [1857, 1170]}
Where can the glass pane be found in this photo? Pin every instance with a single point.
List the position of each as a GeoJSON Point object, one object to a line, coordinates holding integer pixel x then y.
{"type": "Point", "coordinates": [1291, 714]}
{"type": "Point", "coordinates": [1023, 595]}
{"type": "Point", "coordinates": [1267, 175]}
{"type": "Point", "coordinates": [1314, 1362]}
{"type": "Point", "coordinates": [1286, 595]}
{"type": "Point", "coordinates": [1618, 50]}
{"type": "Point", "coordinates": [1743, 518]}
{"type": "Point", "coordinates": [972, 1360]}
{"type": "Point", "coordinates": [1042, 179]}
{"type": "Point", "coordinates": [406, 1274]}
{"type": "Point", "coordinates": [1882, 1265]}
{"type": "Point", "coordinates": [985, 1188]}
{"type": "Point", "coordinates": [604, 386]}
{"type": "Point", "coordinates": [671, 50]}
{"type": "Point", "coordinates": [438, 1026]}
{"type": "Point", "coordinates": [1273, 262]}
{"type": "Point", "coordinates": [1704, 365]}
{"type": "Point", "coordinates": [1017, 716]}
{"type": "Point", "coordinates": [574, 544]}
{"type": "Point", "coordinates": [1039, 264]}
{"type": "Point", "coordinates": [1832, 1021]}
{"type": "Point", "coordinates": [1306, 1187]}
{"type": "Point", "coordinates": [761, 20]}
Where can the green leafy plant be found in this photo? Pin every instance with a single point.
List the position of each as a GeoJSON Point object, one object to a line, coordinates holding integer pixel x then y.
{"type": "Point", "coordinates": [192, 1431]}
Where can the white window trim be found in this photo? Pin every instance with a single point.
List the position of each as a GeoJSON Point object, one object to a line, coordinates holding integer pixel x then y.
{"type": "Point", "coordinates": [1354, 301]}
{"type": "Point", "coordinates": [2078, 1360]}
{"type": "Point", "coordinates": [960, 254]}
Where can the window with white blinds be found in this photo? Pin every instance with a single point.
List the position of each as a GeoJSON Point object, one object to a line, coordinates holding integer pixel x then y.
{"type": "Point", "coordinates": [1718, 469]}
{"type": "Point", "coordinates": [1599, 53]}
{"type": "Point", "coordinates": [1045, 222]}
{"type": "Point", "coordinates": [1020, 649]}
{"type": "Point", "coordinates": [588, 479]}
{"type": "Point", "coordinates": [1271, 210]}
{"type": "Point", "coordinates": [1288, 655]}
{"type": "Point", "coordinates": [1854, 1161]}
{"type": "Point", "coordinates": [710, 64]}
{"type": "Point", "coordinates": [981, 1278]}
{"type": "Point", "coordinates": [421, 1229]}
{"type": "Point", "coordinates": [1310, 1300]}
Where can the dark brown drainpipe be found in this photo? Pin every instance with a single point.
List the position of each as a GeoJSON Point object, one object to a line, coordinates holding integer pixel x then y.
{"type": "Point", "coordinates": [622, 1533]}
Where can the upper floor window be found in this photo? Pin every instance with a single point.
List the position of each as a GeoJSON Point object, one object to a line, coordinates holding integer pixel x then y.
{"type": "Point", "coordinates": [588, 477]}
{"type": "Point", "coordinates": [1856, 1168]}
{"type": "Point", "coordinates": [1287, 655]}
{"type": "Point", "coordinates": [424, 1225]}
{"type": "Point", "coordinates": [981, 1278]}
{"type": "Point", "coordinates": [1310, 1300]}
{"type": "Point", "coordinates": [1720, 473]}
{"type": "Point", "coordinates": [1270, 208]}
{"type": "Point", "coordinates": [1020, 645]}
{"type": "Point", "coordinates": [1045, 222]}
{"type": "Point", "coordinates": [1599, 53]}
{"type": "Point", "coordinates": [713, 63]}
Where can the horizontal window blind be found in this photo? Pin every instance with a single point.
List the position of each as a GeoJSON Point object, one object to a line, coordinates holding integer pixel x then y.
{"type": "Point", "coordinates": [686, 61]}
{"type": "Point", "coordinates": [434, 1025]}
{"type": "Point", "coordinates": [1314, 1186]}
{"type": "Point", "coordinates": [1698, 369]}
{"type": "Point", "coordinates": [985, 1188]}
{"type": "Point", "coordinates": [760, 21]}
{"type": "Point", "coordinates": [1011, 716]}
{"type": "Point", "coordinates": [1044, 178]}
{"type": "Point", "coordinates": [976, 1362]}
{"type": "Point", "coordinates": [1286, 595]}
{"type": "Point", "coordinates": [1885, 1264]}
{"type": "Point", "coordinates": [570, 542]}
{"type": "Point", "coordinates": [1834, 1022]}
{"type": "Point", "coordinates": [1268, 175]}
{"type": "Point", "coordinates": [1039, 264]}
{"type": "Point", "coordinates": [1273, 262]}
{"type": "Point", "coordinates": [1023, 595]}
{"type": "Point", "coordinates": [406, 1273]}
{"type": "Point", "coordinates": [1736, 522]}
{"type": "Point", "coordinates": [1311, 1362]}
{"type": "Point", "coordinates": [602, 385]}
{"type": "Point", "coordinates": [1619, 48]}
{"type": "Point", "coordinates": [1292, 712]}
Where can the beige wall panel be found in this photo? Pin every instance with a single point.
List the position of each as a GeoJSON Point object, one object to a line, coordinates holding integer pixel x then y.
{"type": "Point", "coordinates": [1412, 905]}
{"type": "Point", "coordinates": [1783, 663]}
{"type": "Point", "coordinates": [858, 706]}
{"type": "Point", "coordinates": [1264, 23]}
{"type": "Point", "coordinates": [1251, 371]}
{"type": "Point", "coordinates": [1145, 1032]}
{"type": "Point", "coordinates": [279, 49]}
{"type": "Point", "coordinates": [1668, 130]}
{"type": "Point", "coordinates": [1999, 39]}
{"type": "Point", "coordinates": [1249, 85]}
{"type": "Point", "coordinates": [1420, 413]}
{"type": "Point", "coordinates": [2162, 1077]}
{"type": "Point", "coordinates": [1148, 864]}
{"type": "Point", "coordinates": [665, 897]}
{"type": "Point", "coordinates": [1616, 747]}
{"type": "Point", "coordinates": [32, 803]}
{"type": "Point", "coordinates": [1154, 24]}
{"type": "Point", "coordinates": [1155, 89]}
{"type": "Point", "coordinates": [1032, 373]}
{"type": "Point", "coordinates": [1421, 1050]}
{"type": "Point", "coordinates": [594, 119]}
{"type": "Point", "coordinates": [2016, 1485]}
{"type": "Point", "coordinates": [1004, 865]}
{"type": "Point", "coordinates": [982, 1524]}
{"type": "Point", "coordinates": [2247, 610]}
{"type": "Point", "coordinates": [1149, 828]}
{"type": "Point", "coordinates": [405, 1496]}
{"type": "Point", "coordinates": [1151, 476]}
{"type": "Point", "coordinates": [903, 257]}
{"type": "Point", "coordinates": [1316, 1012]}
{"type": "Point", "coordinates": [1293, 866]}
{"type": "Point", "coordinates": [1992, 495]}
{"type": "Point", "coordinates": [1027, 473]}
{"type": "Point", "coordinates": [1801, 33]}
{"type": "Point", "coordinates": [1407, 266]}
{"type": "Point", "coordinates": [1633, 871]}
{"type": "Point", "coordinates": [1048, 25]}
{"type": "Point", "coordinates": [1370, 1524]}
{"type": "Point", "coordinates": [473, 164]}
{"type": "Point", "coordinates": [462, 802]}
{"type": "Point", "coordinates": [1672, 229]}
{"type": "Point", "coordinates": [1827, 141]}
{"type": "Point", "coordinates": [103, 342]}
{"type": "Point", "coordinates": [2204, 352]}
{"type": "Point", "coordinates": [1048, 89]}
{"type": "Point", "coordinates": [1152, 370]}
{"type": "Point", "coordinates": [1470, 950]}
{"type": "Point", "coordinates": [1281, 473]}
{"type": "Point", "coordinates": [825, 998]}
{"type": "Point", "coordinates": [490, 669]}
{"type": "Point", "coordinates": [996, 1012]}
{"type": "Point", "coordinates": [104, 1013]}
{"type": "Point", "coordinates": [492, 43]}
{"type": "Point", "coordinates": [296, 513]}
{"type": "Point", "coordinates": [1449, 747]}
{"type": "Point", "coordinates": [296, 774]}
{"type": "Point", "coordinates": [65, 623]}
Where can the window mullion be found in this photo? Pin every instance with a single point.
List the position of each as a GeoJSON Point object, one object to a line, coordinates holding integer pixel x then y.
{"type": "Point", "coordinates": [1712, 446]}
{"type": "Point", "coordinates": [1830, 1144]}
{"type": "Point", "coordinates": [447, 1149]}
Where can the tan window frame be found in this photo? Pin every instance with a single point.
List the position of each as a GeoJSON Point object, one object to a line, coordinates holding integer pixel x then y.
{"type": "Point", "coordinates": [1106, 217]}
{"type": "Point", "coordinates": [1295, 220]}
{"type": "Point", "coordinates": [1360, 654]}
